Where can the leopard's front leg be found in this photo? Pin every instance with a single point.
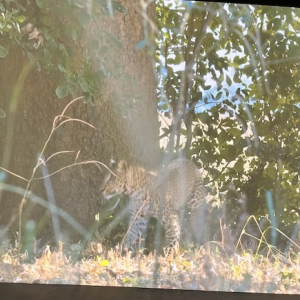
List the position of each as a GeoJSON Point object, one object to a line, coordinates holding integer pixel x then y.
{"type": "Point", "coordinates": [136, 233]}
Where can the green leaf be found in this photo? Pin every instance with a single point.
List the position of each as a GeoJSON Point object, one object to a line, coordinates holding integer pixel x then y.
{"type": "Point", "coordinates": [207, 145]}
{"type": "Point", "coordinates": [47, 21]}
{"type": "Point", "coordinates": [62, 91]}
{"type": "Point", "coordinates": [61, 46]}
{"type": "Point", "coordinates": [83, 85]}
{"type": "Point", "coordinates": [47, 55]}
{"type": "Point", "coordinates": [228, 80]}
{"type": "Point", "coordinates": [20, 19]}
{"type": "Point", "coordinates": [226, 91]}
{"type": "Point", "coordinates": [234, 131]}
{"type": "Point", "coordinates": [236, 77]}
{"type": "Point", "coordinates": [72, 88]}
{"type": "Point", "coordinates": [61, 68]}
{"type": "Point", "coordinates": [178, 59]}
{"type": "Point", "coordinates": [231, 152]}
{"type": "Point", "coordinates": [294, 180]}
{"type": "Point", "coordinates": [40, 3]}
{"type": "Point", "coordinates": [3, 52]}
{"type": "Point", "coordinates": [239, 165]}
{"type": "Point", "coordinates": [70, 52]}
{"type": "Point", "coordinates": [45, 10]}
{"type": "Point", "coordinates": [219, 95]}
{"type": "Point", "coordinates": [207, 87]}
{"type": "Point", "coordinates": [117, 6]}
{"type": "Point", "coordinates": [2, 114]}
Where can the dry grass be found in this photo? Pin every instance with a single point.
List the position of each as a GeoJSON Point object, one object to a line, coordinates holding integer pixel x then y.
{"type": "Point", "coordinates": [204, 269]}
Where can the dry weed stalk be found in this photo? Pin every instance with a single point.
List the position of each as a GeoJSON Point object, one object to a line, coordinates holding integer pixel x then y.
{"type": "Point", "coordinates": [58, 121]}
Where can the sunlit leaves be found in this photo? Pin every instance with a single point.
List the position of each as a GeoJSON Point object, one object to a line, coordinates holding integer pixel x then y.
{"type": "Point", "coordinates": [245, 82]}
{"type": "Point", "coordinates": [20, 18]}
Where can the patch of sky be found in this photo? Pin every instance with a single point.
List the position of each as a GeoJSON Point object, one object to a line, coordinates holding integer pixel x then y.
{"type": "Point", "coordinates": [228, 91]}
{"type": "Point", "coordinates": [213, 91]}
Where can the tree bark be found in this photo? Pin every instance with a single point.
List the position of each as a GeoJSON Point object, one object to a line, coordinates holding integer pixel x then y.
{"type": "Point", "coordinates": [124, 117]}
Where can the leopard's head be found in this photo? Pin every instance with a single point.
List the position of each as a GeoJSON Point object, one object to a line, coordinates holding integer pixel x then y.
{"type": "Point", "coordinates": [114, 183]}
{"type": "Point", "coordinates": [124, 180]}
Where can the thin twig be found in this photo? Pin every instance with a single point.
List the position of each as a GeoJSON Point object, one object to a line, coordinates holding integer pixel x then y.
{"type": "Point", "coordinates": [14, 174]}
{"type": "Point", "coordinates": [54, 127]}
{"type": "Point", "coordinates": [76, 164]}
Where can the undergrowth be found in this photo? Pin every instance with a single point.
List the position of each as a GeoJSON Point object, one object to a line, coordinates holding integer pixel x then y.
{"type": "Point", "coordinates": [208, 268]}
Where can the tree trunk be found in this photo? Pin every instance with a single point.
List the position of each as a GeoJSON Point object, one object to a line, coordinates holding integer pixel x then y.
{"type": "Point", "coordinates": [124, 117]}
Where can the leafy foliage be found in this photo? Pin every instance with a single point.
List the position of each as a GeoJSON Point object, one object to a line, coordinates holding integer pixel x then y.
{"type": "Point", "coordinates": [229, 85]}
{"type": "Point", "coordinates": [49, 34]}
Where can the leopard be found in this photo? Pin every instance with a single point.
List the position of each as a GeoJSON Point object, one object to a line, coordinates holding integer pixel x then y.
{"type": "Point", "coordinates": [169, 195]}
